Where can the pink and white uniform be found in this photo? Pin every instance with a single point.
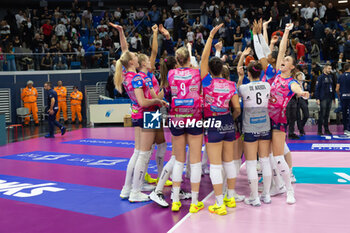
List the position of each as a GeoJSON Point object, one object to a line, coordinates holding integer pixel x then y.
{"type": "Point", "coordinates": [186, 102]}
{"type": "Point", "coordinates": [132, 81]}
{"type": "Point", "coordinates": [149, 77]}
{"type": "Point", "coordinates": [280, 96]}
{"type": "Point", "coordinates": [217, 95]}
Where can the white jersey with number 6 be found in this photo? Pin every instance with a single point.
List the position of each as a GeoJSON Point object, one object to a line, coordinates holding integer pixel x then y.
{"type": "Point", "coordinates": [255, 96]}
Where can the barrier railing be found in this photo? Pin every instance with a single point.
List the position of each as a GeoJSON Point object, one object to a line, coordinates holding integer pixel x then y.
{"type": "Point", "coordinates": [54, 61]}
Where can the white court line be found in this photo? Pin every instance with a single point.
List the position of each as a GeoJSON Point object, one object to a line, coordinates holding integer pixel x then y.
{"type": "Point", "coordinates": [189, 214]}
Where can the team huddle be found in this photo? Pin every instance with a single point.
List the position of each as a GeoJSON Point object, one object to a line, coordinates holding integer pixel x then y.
{"type": "Point", "coordinates": [252, 120]}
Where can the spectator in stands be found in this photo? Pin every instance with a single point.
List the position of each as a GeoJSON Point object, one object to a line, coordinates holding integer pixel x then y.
{"type": "Point", "coordinates": [318, 30]}
{"type": "Point", "coordinates": [60, 62]}
{"type": "Point", "coordinates": [321, 10]}
{"type": "Point", "coordinates": [46, 62]}
{"type": "Point", "coordinates": [311, 12]}
{"type": "Point", "coordinates": [64, 44]}
{"type": "Point", "coordinates": [330, 47]}
{"type": "Point", "coordinates": [10, 58]}
{"type": "Point", "coordinates": [46, 29]}
{"type": "Point", "coordinates": [332, 16]}
{"type": "Point", "coordinates": [315, 52]}
{"type": "Point", "coordinates": [300, 49]}
{"type": "Point", "coordinates": [60, 30]}
{"type": "Point", "coordinates": [154, 14]}
{"type": "Point", "coordinates": [176, 8]}
{"type": "Point", "coordinates": [86, 19]}
{"type": "Point", "coordinates": [169, 24]}
{"type": "Point", "coordinates": [238, 36]}
{"type": "Point", "coordinates": [218, 20]}
{"type": "Point", "coordinates": [2, 59]}
{"type": "Point", "coordinates": [204, 13]}
{"type": "Point", "coordinates": [17, 42]}
{"type": "Point", "coordinates": [135, 43]}
{"type": "Point", "coordinates": [325, 93]}
{"type": "Point", "coordinates": [347, 50]}
{"type": "Point", "coordinates": [80, 54]}
{"type": "Point", "coordinates": [71, 56]}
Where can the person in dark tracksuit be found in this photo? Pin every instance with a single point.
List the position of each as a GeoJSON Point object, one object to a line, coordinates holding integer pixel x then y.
{"type": "Point", "coordinates": [302, 105]}
{"type": "Point", "coordinates": [52, 110]}
{"type": "Point", "coordinates": [292, 117]}
{"type": "Point", "coordinates": [324, 94]}
{"type": "Point", "coordinates": [343, 90]}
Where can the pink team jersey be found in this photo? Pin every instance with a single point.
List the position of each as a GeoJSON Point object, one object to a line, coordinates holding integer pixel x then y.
{"type": "Point", "coordinates": [280, 96]}
{"type": "Point", "coordinates": [185, 85]}
{"type": "Point", "coordinates": [132, 81]}
{"type": "Point", "coordinates": [149, 78]}
{"type": "Point", "coordinates": [217, 95]}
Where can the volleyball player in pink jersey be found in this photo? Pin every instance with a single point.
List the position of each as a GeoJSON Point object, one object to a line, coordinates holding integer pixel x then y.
{"type": "Point", "coordinates": [186, 111]}
{"type": "Point", "coordinates": [133, 83]}
{"type": "Point", "coordinates": [218, 94]}
{"type": "Point", "coordinates": [283, 88]}
{"type": "Point", "coordinates": [146, 68]}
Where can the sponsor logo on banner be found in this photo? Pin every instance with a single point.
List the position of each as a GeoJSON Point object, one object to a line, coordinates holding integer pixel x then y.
{"type": "Point", "coordinates": [102, 202]}
{"type": "Point", "coordinates": [83, 160]}
{"type": "Point", "coordinates": [328, 146]}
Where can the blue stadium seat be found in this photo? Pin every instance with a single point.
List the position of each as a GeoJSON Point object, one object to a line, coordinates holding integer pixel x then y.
{"type": "Point", "coordinates": [75, 65]}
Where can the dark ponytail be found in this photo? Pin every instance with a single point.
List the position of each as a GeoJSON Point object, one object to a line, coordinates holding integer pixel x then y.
{"type": "Point", "coordinates": [255, 68]}
{"type": "Point", "coordinates": [166, 64]}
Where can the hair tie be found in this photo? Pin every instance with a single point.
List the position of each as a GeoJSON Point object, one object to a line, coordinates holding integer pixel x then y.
{"type": "Point", "coordinates": [255, 69]}
{"type": "Point", "coordinates": [165, 60]}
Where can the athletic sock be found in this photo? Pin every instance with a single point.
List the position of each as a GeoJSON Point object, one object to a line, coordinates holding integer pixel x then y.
{"type": "Point", "coordinates": [147, 164]}
{"type": "Point", "coordinates": [219, 200]}
{"type": "Point", "coordinates": [237, 163]}
{"type": "Point", "coordinates": [167, 170]}
{"type": "Point", "coordinates": [276, 177]}
{"type": "Point", "coordinates": [176, 194]}
{"type": "Point", "coordinates": [194, 197]}
{"type": "Point", "coordinates": [140, 169]}
{"type": "Point", "coordinates": [161, 150]}
{"type": "Point", "coordinates": [177, 177]}
{"type": "Point", "coordinates": [252, 178]}
{"type": "Point", "coordinates": [231, 193]}
{"type": "Point", "coordinates": [267, 174]}
{"type": "Point", "coordinates": [130, 169]}
{"type": "Point", "coordinates": [283, 169]}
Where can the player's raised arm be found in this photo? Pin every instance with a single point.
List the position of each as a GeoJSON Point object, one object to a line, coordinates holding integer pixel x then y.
{"type": "Point", "coordinates": [206, 51]}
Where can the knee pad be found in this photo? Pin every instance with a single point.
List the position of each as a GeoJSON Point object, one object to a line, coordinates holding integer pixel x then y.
{"type": "Point", "coordinates": [286, 149]}
{"type": "Point", "coordinates": [196, 172]}
{"type": "Point", "coordinates": [251, 169]}
{"type": "Point", "coordinates": [177, 171]}
{"type": "Point", "coordinates": [230, 169]}
{"type": "Point", "coordinates": [216, 174]}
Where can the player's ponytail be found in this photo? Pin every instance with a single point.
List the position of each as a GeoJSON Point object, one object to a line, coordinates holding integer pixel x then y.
{"type": "Point", "coordinates": [118, 76]}
{"type": "Point", "coordinates": [166, 64]}
{"type": "Point", "coordinates": [255, 68]}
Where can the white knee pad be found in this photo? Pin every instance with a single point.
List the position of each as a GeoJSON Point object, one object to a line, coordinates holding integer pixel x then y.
{"type": "Point", "coordinates": [196, 172]}
{"type": "Point", "coordinates": [177, 171]}
{"type": "Point", "coordinates": [145, 156]}
{"type": "Point", "coordinates": [230, 169]}
{"type": "Point", "coordinates": [282, 165]}
{"type": "Point", "coordinates": [286, 149]}
{"type": "Point", "coordinates": [251, 170]}
{"type": "Point", "coordinates": [216, 174]}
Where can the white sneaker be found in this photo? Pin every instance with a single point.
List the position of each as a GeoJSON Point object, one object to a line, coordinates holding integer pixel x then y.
{"type": "Point", "coordinates": [290, 197]}
{"type": "Point", "coordinates": [292, 178]}
{"type": "Point", "coordinates": [347, 132]}
{"type": "Point", "coordinates": [266, 198]}
{"type": "Point", "coordinates": [159, 199]}
{"type": "Point", "coordinates": [277, 191]}
{"type": "Point", "coordinates": [125, 193]}
{"type": "Point", "coordinates": [253, 202]}
{"type": "Point", "coordinates": [138, 197]}
{"type": "Point", "coordinates": [239, 198]}
{"type": "Point", "coordinates": [183, 195]}
{"type": "Point", "coordinates": [147, 187]}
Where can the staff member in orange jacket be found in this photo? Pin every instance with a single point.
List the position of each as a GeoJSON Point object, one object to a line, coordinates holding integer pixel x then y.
{"type": "Point", "coordinates": [62, 102]}
{"type": "Point", "coordinates": [75, 101]}
{"type": "Point", "coordinates": [29, 97]}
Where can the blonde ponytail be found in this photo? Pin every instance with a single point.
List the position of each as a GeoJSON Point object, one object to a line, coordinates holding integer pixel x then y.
{"type": "Point", "coordinates": [118, 78]}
